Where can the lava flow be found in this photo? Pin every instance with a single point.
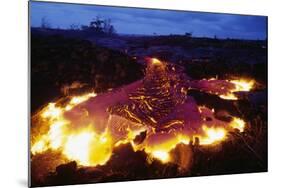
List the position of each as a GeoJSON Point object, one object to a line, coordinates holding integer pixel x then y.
{"type": "Point", "coordinates": [157, 110]}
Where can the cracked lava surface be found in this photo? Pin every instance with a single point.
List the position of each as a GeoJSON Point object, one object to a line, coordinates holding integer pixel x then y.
{"type": "Point", "coordinates": [154, 115]}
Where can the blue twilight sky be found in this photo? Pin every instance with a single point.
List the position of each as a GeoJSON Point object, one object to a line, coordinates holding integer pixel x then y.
{"type": "Point", "coordinates": [148, 21]}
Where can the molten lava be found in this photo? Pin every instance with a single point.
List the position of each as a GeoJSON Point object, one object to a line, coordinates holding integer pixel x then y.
{"type": "Point", "coordinates": [88, 127]}
{"type": "Point", "coordinates": [240, 85]}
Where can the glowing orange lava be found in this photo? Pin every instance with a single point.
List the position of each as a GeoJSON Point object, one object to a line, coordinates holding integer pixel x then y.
{"type": "Point", "coordinates": [89, 145]}
{"type": "Point", "coordinates": [240, 85]}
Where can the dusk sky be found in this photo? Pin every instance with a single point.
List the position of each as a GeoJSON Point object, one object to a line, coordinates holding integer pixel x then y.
{"type": "Point", "coordinates": [149, 21]}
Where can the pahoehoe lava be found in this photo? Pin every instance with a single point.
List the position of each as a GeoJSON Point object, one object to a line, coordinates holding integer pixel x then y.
{"type": "Point", "coordinates": [153, 115]}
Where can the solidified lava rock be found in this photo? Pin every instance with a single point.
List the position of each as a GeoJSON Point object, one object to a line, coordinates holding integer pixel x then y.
{"type": "Point", "coordinates": [126, 161]}
{"type": "Point", "coordinates": [57, 61]}
{"type": "Point", "coordinates": [140, 138]}
{"type": "Point", "coordinates": [182, 156]}
{"type": "Point", "coordinates": [66, 170]}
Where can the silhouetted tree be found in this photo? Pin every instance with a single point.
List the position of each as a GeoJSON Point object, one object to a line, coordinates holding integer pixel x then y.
{"type": "Point", "coordinates": [111, 30]}
{"type": "Point", "coordinates": [108, 27]}
{"type": "Point", "coordinates": [74, 27]}
{"type": "Point", "coordinates": [96, 25]}
{"type": "Point", "coordinates": [99, 25]}
{"type": "Point", "coordinates": [45, 23]}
